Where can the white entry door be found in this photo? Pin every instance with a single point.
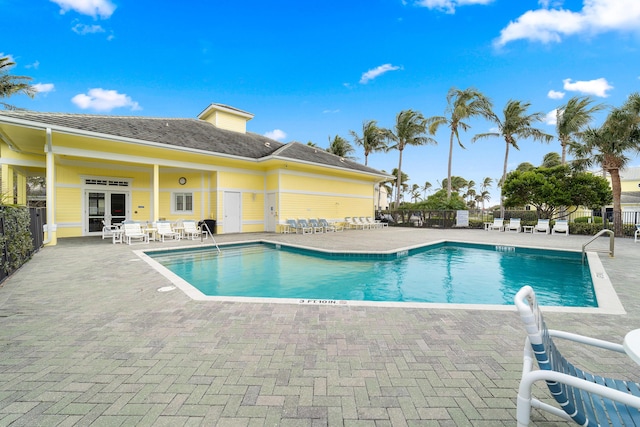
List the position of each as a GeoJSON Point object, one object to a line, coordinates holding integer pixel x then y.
{"type": "Point", "coordinates": [108, 207]}
{"type": "Point", "coordinates": [232, 221]}
{"type": "Point", "coordinates": [272, 214]}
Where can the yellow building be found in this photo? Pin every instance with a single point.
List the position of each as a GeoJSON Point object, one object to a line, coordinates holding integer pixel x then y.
{"type": "Point", "coordinates": [109, 169]}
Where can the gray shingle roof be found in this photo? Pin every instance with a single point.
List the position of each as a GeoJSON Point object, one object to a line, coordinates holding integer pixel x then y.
{"type": "Point", "coordinates": [187, 133]}
{"type": "Point", "coordinates": [298, 151]}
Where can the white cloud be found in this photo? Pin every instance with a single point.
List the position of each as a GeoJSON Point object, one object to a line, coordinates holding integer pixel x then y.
{"type": "Point", "coordinates": [597, 87]}
{"type": "Point", "coordinates": [376, 72]}
{"type": "Point", "coordinates": [552, 117]}
{"type": "Point", "coordinates": [83, 29]}
{"type": "Point", "coordinates": [102, 8]}
{"type": "Point", "coordinates": [550, 25]}
{"type": "Point", "coordinates": [554, 94]}
{"type": "Point", "coordinates": [276, 134]}
{"type": "Point", "coordinates": [43, 87]}
{"type": "Point", "coordinates": [331, 111]}
{"type": "Point", "coordinates": [104, 100]}
{"type": "Point", "coordinates": [35, 65]}
{"type": "Point", "coordinates": [449, 6]}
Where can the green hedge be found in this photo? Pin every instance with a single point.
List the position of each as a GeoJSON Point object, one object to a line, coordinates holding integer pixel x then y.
{"type": "Point", "coordinates": [16, 244]}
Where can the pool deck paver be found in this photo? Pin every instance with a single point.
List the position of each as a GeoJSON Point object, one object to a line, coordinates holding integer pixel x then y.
{"type": "Point", "coordinates": [87, 339]}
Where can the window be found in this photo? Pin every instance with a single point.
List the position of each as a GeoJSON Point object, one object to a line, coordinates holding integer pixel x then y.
{"type": "Point", "coordinates": [183, 202]}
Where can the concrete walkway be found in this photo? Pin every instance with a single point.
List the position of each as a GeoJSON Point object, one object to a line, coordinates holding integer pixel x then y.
{"type": "Point", "coordinates": [87, 339]}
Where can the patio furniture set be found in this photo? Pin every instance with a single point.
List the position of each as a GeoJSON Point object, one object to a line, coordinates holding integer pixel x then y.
{"type": "Point", "coordinates": [133, 231]}
{"type": "Point", "coordinates": [561, 226]}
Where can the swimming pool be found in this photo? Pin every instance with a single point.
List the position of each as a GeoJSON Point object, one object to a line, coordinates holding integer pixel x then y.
{"type": "Point", "coordinates": [439, 273]}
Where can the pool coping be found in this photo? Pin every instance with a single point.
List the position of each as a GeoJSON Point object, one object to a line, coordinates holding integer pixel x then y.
{"type": "Point", "coordinates": [608, 300]}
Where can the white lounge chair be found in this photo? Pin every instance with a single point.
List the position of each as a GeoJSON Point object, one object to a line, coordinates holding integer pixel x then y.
{"type": "Point", "coordinates": [586, 399]}
{"type": "Point", "coordinates": [315, 226]}
{"type": "Point", "coordinates": [330, 227]}
{"type": "Point", "coordinates": [637, 233]}
{"type": "Point", "coordinates": [164, 231]}
{"type": "Point", "coordinates": [361, 221]}
{"type": "Point", "coordinates": [498, 224]}
{"type": "Point", "coordinates": [301, 226]}
{"type": "Point", "coordinates": [561, 226]}
{"type": "Point", "coordinates": [191, 229]}
{"type": "Point", "coordinates": [542, 226]}
{"type": "Point", "coordinates": [351, 223]}
{"type": "Point", "coordinates": [513, 225]}
{"type": "Point", "coordinates": [133, 231]}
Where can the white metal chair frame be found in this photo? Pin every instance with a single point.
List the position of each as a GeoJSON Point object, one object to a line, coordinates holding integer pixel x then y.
{"type": "Point", "coordinates": [585, 398]}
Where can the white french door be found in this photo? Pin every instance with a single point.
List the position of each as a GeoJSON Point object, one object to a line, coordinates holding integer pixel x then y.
{"type": "Point", "coordinates": [108, 206]}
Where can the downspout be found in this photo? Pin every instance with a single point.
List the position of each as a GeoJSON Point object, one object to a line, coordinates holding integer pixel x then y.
{"type": "Point", "coordinates": [50, 226]}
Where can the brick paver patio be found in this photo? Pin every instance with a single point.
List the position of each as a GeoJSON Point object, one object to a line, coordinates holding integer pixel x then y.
{"type": "Point", "coordinates": [87, 339]}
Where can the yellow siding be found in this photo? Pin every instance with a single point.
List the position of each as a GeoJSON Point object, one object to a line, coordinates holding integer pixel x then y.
{"type": "Point", "coordinates": [228, 121]}
{"type": "Point", "coordinates": [253, 207]}
{"type": "Point", "coordinates": [630, 185]}
{"type": "Point", "coordinates": [241, 181]}
{"type": "Point", "coordinates": [68, 202]}
{"type": "Point", "coordinates": [318, 184]}
{"type": "Point", "coordinates": [272, 182]}
{"type": "Point", "coordinates": [331, 207]}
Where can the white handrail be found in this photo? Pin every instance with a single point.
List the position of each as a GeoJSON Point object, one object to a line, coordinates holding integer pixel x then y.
{"type": "Point", "coordinates": [210, 234]}
{"type": "Point", "coordinates": [598, 234]}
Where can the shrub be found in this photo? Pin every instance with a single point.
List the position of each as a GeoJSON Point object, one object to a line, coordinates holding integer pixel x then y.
{"type": "Point", "coordinates": [585, 220]}
{"type": "Point", "coordinates": [16, 244]}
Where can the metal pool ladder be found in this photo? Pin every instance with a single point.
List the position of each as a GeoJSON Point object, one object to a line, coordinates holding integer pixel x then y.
{"type": "Point", "coordinates": [204, 224]}
{"type": "Point", "coordinates": [600, 233]}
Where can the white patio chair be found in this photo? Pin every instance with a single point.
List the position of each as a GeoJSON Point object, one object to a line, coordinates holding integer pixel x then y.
{"type": "Point", "coordinates": [133, 231]}
{"type": "Point", "coordinates": [585, 398]}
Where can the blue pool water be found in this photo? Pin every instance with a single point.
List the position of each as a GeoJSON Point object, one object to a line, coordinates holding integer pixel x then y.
{"type": "Point", "coordinates": [443, 273]}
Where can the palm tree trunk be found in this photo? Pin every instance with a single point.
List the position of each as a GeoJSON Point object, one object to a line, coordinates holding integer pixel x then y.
{"type": "Point", "coordinates": [617, 210]}
{"type": "Point", "coordinates": [504, 176]}
{"type": "Point", "coordinates": [449, 169]}
{"type": "Point", "coordinates": [399, 180]}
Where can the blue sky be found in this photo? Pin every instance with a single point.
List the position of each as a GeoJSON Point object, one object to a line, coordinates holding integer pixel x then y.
{"type": "Point", "coordinates": [312, 70]}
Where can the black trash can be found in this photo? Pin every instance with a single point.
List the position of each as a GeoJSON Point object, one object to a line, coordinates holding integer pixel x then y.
{"type": "Point", "coordinates": [211, 224]}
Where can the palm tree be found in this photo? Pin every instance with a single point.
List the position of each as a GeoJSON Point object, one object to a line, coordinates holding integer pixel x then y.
{"type": "Point", "coordinates": [340, 147]}
{"type": "Point", "coordinates": [471, 191]}
{"type": "Point", "coordinates": [461, 105]}
{"type": "Point", "coordinates": [484, 196]}
{"type": "Point", "coordinates": [403, 183]}
{"type": "Point", "coordinates": [427, 185]}
{"type": "Point", "coordinates": [410, 129]}
{"type": "Point", "coordinates": [457, 183]}
{"type": "Point", "coordinates": [572, 118]}
{"type": "Point", "coordinates": [12, 85]}
{"type": "Point", "coordinates": [551, 159]}
{"type": "Point", "coordinates": [484, 190]}
{"type": "Point", "coordinates": [516, 124]}
{"type": "Point", "coordinates": [373, 138]}
{"type": "Point", "coordinates": [415, 193]}
{"type": "Point", "coordinates": [609, 146]}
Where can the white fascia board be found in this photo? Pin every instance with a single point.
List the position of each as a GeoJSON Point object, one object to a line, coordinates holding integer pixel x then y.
{"type": "Point", "coordinates": [226, 109]}
{"type": "Point", "coordinates": [24, 163]}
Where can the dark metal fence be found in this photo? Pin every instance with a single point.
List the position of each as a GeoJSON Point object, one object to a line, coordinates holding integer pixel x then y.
{"type": "Point", "coordinates": [477, 218]}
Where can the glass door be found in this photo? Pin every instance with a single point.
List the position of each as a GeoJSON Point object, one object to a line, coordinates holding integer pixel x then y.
{"type": "Point", "coordinates": [105, 206]}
